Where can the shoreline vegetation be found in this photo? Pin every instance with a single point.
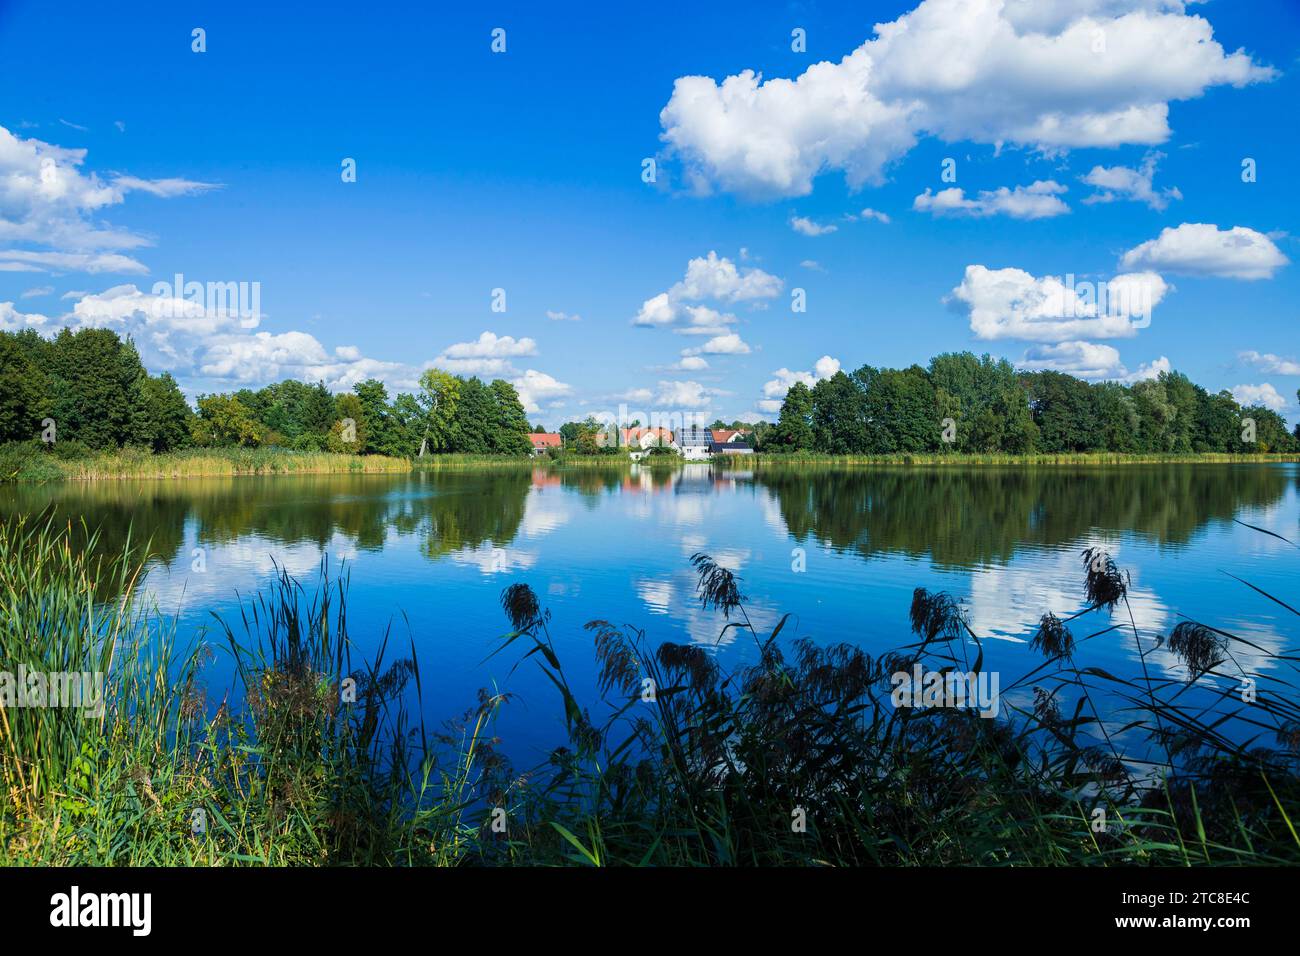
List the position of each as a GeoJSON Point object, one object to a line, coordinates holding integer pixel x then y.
{"type": "Point", "coordinates": [202, 463]}
{"type": "Point", "coordinates": [924, 459]}
{"type": "Point", "coordinates": [34, 464]}
{"type": "Point", "coordinates": [81, 405]}
{"type": "Point", "coordinates": [803, 757]}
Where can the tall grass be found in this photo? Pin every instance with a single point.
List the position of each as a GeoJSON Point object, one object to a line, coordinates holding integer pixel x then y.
{"type": "Point", "coordinates": [804, 460]}
{"type": "Point", "coordinates": [455, 461]}
{"type": "Point", "coordinates": [52, 620]}
{"type": "Point", "coordinates": [225, 461]}
{"type": "Point", "coordinates": [803, 757]}
{"type": "Point", "coordinates": [26, 461]}
{"type": "Point", "coordinates": [303, 761]}
{"type": "Point", "coordinates": [800, 757]}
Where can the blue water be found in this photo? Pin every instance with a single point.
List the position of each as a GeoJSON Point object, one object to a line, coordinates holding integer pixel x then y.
{"type": "Point", "coordinates": [428, 555]}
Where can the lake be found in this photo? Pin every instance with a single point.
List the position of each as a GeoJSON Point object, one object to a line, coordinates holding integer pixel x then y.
{"type": "Point", "coordinates": [840, 550]}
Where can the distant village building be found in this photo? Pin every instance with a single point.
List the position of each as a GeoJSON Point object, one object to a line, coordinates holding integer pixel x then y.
{"type": "Point", "coordinates": [694, 442]}
{"type": "Point", "coordinates": [737, 444]}
{"type": "Point", "coordinates": [639, 438]}
{"type": "Point", "coordinates": [544, 442]}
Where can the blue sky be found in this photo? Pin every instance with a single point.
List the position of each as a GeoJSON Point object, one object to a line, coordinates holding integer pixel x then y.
{"type": "Point", "coordinates": [522, 171]}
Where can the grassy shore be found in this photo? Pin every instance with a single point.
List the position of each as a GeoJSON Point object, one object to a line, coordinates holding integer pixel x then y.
{"type": "Point", "coordinates": [29, 462]}
{"type": "Point", "coordinates": [561, 460]}
{"type": "Point", "coordinates": [32, 464]}
{"type": "Point", "coordinates": [801, 758]}
{"type": "Point", "coordinates": [458, 462]}
{"type": "Point", "coordinates": [814, 460]}
{"type": "Point", "coordinates": [936, 459]}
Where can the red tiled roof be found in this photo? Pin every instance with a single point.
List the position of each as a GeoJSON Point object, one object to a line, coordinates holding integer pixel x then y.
{"type": "Point", "coordinates": [545, 439]}
{"type": "Point", "coordinates": [632, 436]}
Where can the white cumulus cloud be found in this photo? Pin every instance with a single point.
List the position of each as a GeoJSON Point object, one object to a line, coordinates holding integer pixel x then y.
{"type": "Point", "coordinates": [806, 226]}
{"type": "Point", "coordinates": [1263, 394]}
{"type": "Point", "coordinates": [489, 354]}
{"type": "Point", "coordinates": [1089, 360]}
{"type": "Point", "coordinates": [1012, 304]}
{"type": "Point", "coordinates": [184, 337]}
{"type": "Point", "coordinates": [1123, 182]}
{"type": "Point", "coordinates": [48, 202]}
{"type": "Point", "coordinates": [1271, 363]}
{"type": "Point", "coordinates": [870, 213]}
{"type": "Point", "coordinates": [683, 395]}
{"type": "Point", "coordinates": [775, 388]}
{"type": "Point", "coordinates": [729, 344]}
{"type": "Point", "coordinates": [535, 387]}
{"type": "Point", "coordinates": [710, 278]}
{"type": "Point", "coordinates": [1038, 200]}
{"type": "Point", "coordinates": [1049, 76]}
{"type": "Point", "coordinates": [1203, 249]}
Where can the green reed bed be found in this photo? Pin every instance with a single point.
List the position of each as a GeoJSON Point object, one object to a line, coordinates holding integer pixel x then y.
{"type": "Point", "coordinates": [802, 757]}
{"type": "Point", "coordinates": [561, 463]}
{"type": "Point", "coordinates": [37, 464]}
{"type": "Point", "coordinates": [283, 768]}
{"type": "Point", "coordinates": [799, 757]}
{"type": "Point", "coordinates": [455, 461]}
{"type": "Point", "coordinates": [923, 459]}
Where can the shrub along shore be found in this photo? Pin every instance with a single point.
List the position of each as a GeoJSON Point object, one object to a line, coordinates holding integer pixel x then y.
{"type": "Point", "coordinates": [808, 756]}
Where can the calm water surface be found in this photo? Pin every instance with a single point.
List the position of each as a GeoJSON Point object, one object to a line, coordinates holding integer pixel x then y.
{"type": "Point", "coordinates": [439, 548]}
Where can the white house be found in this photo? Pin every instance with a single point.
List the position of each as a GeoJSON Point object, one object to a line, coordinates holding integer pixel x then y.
{"type": "Point", "coordinates": [695, 443]}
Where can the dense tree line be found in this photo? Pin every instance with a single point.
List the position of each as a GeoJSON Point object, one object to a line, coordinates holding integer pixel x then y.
{"type": "Point", "coordinates": [965, 403]}
{"type": "Point", "coordinates": [87, 387]}
{"type": "Point", "coordinates": [92, 386]}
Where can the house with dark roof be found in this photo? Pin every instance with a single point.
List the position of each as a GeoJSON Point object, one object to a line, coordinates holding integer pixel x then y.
{"type": "Point", "coordinates": [695, 442]}
{"type": "Point", "coordinates": [737, 445]}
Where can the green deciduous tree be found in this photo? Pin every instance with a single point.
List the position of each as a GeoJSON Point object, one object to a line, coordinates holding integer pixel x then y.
{"type": "Point", "coordinates": [160, 418]}
{"type": "Point", "coordinates": [223, 420]}
{"type": "Point", "coordinates": [900, 410]}
{"type": "Point", "coordinates": [438, 398]}
{"type": "Point", "coordinates": [1066, 412]}
{"type": "Point", "coordinates": [793, 430]}
{"type": "Point", "coordinates": [406, 426]}
{"type": "Point", "coordinates": [1218, 423]}
{"type": "Point", "coordinates": [299, 414]}
{"type": "Point", "coordinates": [93, 380]}
{"type": "Point", "coordinates": [984, 397]}
{"type": "Point", "coordinates": [511, 433]}
{"type": "Point", "coordinates": [838, 419]}
{"type": "Point", "coordinates": [475, 422]}
{"type": "Point", "coordinates": [24, 391]}
{"type": "Point", "coordinates": [1156, 414]}
{"type": "Point", "coordinates": [380, 437]}
{"type": "Point", "coordinates": [349, 432]}
{"type": "Point", "coordinates": [1117, 418]}
{"type": "Point", "coordinates": [1271, 434]}
{"type": "Point", "coordinates": [1181, 394]}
